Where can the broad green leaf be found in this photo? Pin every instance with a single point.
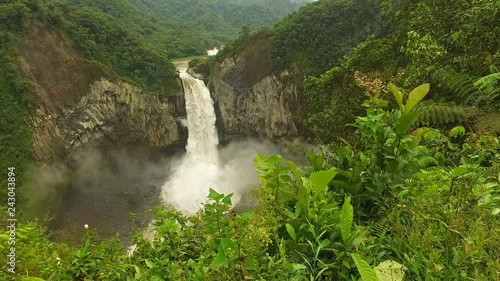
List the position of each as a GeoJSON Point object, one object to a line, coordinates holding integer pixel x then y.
{"type": "Point", "coordinates": [303, 196]}
{"type": "Point", "coordinates": [138, 273]}
{"type": "Point", "coordinates": [289, 214]}
{"type": "Point", "coordinates": [487, 80]}
{"type": "Point", "coordinates": [346, 264]}
{"type": "Point", "coordinates": [459, 171]}
{"type": "Point", "coordinates": [246, 215]}
{"type": "Point", "coordinates": [149, 263]}
{"type": "Point", "coordinates": [406, 121]}
{"type": "Point", "coordinates": [260, 163]}
{"type": "Point", "coordinates": [291, 231]}
{"type": "Point", "coordinates": [367, 273]}
{"type": "Point", "coordinates": [320, 180]}
{"type": "Point", "coordinates": [298, 266]}
{"type": "Point", "coordinates": [275, 159]}
{"type": "Point", "coordinates": [214, 195]}
{"type": "Point", "coordinates": [296, 173]}
{"type": "Point", "coordinates": [220, 260]}
{"type": "Point", "coordinates": [390, 271]}
{"type": "Point", "coordinates": [416, 95]}
{"type": "Point", "coordinates": [227, 199]}
{"type": "Point", "coordinates": [32, 279]}
{"type": "Point", "coordinates": [427, 162]}
{"type": "Point", "coordinates": [324, 243]}
{"type": "Point", "coordinates": [298, 211]}
{"type": "Point", "coordinates": [456, 132]}
{"type": "Point", "coordinates": [346, 217]}
{"type": "Point", "coordinates": [228, 244]}
{"type": "Point", "coordinates": [316, 161]}
{"type": "Point", "coordinates": [397, 95]}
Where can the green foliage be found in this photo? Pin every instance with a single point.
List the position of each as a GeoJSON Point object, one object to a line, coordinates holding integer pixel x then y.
{"type": "Point", "coordinates": [137, 39]}
{"type": "Point", "coordinates": [432, 237]}
{"type": "Point", "coordinates": [117, 35]}
{"type": "Point", "coordinates": [458, 33]}
{"type": "Point", "coordinates": [328, 111]}
{"type": "Point", "coordinates": [314, 39]}
{"type": "Point", "coordinates": [15, 15]}
{"type": "Point", "coordinates": [452, 45]}
{"type": "Point", "coordinates": [202, 65]}
{"type": "Point", "coordinates": [346, 217]}
{"type": "Point", "coordinates": [15, 135]}
{"type": "Point", "coordinates": [432, 113]}
{"type": "Point", "coordinates": [367, 273]}
{"type": "Point", "coordinates": [457, 132]}
{"type": "Point", "coordinates": [471, 90]}
{"type": "Point", "coordinates": [221, 19]}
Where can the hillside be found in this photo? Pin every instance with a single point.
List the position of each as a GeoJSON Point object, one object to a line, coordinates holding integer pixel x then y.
{"type": "Point", "coordinates": [221, 19]}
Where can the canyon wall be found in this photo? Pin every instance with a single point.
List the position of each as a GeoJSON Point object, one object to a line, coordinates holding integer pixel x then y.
{"type": "Point", "coordinates": [79, 104]}
{"type": "Point", "coordinates": [250, 100]}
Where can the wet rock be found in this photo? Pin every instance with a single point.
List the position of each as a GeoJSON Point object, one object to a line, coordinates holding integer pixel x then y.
{"type": "Point", "coordinates": [252, 101]}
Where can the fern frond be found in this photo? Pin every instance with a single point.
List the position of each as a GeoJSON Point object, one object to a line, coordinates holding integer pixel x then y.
{"type": "Point", "coordinates": [381, 226]}
{"type": "Point", "coordinates": [492, 171]}
{"type": "Point", "coordinates": [489, 86]}
{"type": "Point", "coordinates": [479, 64]}
{"type": "Point", "coordinates": [438, 114]}
{"type": "Point", "coordinates": [489, 123]}
{"type": "Point", "coordinates": [470, 89]}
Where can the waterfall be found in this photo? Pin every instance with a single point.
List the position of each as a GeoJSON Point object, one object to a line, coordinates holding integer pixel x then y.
{"type": "Point", "coordinates": [198, 170]}
{"type": "Point", "coordinates": [203, 140]}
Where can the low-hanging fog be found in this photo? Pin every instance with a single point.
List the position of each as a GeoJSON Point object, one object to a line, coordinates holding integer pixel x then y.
{"type": "Point", "coordinates": [191, 177]}
{"type": "Point", "coordinates": [106, 190]}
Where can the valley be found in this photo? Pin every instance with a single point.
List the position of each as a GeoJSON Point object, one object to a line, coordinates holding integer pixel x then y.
{"type": "Point", "coordinates": [249, 140]}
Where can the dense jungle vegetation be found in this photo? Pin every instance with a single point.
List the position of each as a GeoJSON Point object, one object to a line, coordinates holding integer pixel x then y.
{"type": "Point", "coordinates": [222, 19]}
{"type": "Point", "coordinates": [409, 190]}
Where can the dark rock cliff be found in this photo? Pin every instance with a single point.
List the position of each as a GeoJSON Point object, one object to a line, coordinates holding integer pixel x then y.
{"type": "Point", "coordinates": [250, 100]}
{"type": "Point", "coordinates": [80, 104]}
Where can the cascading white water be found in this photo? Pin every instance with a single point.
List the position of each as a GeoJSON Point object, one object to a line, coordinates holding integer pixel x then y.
{"type": "Point", "coordinates": [226, 170]}
{"type": "Point", "coordinates": [198, 171]}
{"type": "Point", "coordinates": [203, 140]}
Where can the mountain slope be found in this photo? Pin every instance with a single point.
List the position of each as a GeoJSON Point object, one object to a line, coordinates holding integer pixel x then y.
{"type": "Point", "coordinates": [316, 37]}
{"type": "Point", "coordinates": [221, 19]}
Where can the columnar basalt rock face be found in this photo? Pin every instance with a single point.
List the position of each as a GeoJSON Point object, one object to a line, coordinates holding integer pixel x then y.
{"type": "Point", "coordinates": [110, 114]}
{"type": "Point", "coordinates": [78, 104]}
{"type": "Point", "coordinates": [252, 101]}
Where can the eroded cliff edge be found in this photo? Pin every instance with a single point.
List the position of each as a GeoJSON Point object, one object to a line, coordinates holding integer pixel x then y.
{"type": "Point", "coordinates": [79, 104]}
{"type": "Point", "coordinates": [251, 100]}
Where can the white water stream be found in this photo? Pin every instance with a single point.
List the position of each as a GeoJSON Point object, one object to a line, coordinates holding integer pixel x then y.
{"type": "Point", "coordinates": [199, 169]}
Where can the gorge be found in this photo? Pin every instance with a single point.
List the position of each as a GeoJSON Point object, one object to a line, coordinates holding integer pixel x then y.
{"type": "Point", "coordinates": [109, 184]}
